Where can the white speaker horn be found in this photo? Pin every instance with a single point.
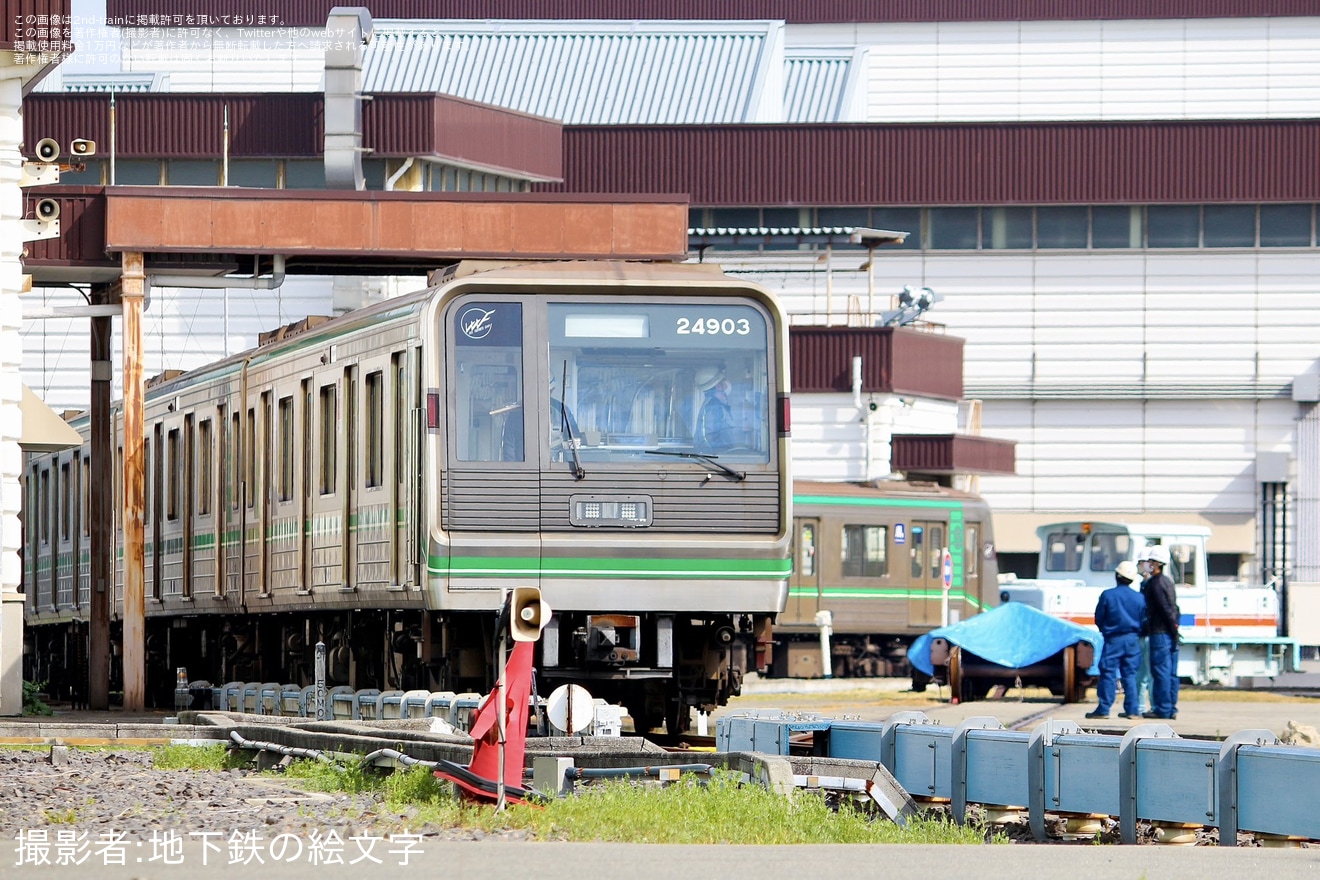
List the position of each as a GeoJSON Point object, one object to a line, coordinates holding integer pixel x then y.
{"type": "Point", "coordinates": [528, 614]}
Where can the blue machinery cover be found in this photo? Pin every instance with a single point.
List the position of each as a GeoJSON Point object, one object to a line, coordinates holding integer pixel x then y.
{"type": "Point", "coordinates": [1013, 635]}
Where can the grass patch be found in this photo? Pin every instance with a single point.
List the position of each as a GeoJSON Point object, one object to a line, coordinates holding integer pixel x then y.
{"type": "Point", "coordinates": [172, 757]}
{"type": "Point", "coordinates": [622, 811]}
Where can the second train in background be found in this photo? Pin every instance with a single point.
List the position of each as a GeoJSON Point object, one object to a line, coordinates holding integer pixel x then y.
{"type": "Point", "coordinates": [875, 566]}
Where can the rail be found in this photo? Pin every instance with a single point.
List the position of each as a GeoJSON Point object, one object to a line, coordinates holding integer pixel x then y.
{"type": "Point", "coordinates": [1149, 774]}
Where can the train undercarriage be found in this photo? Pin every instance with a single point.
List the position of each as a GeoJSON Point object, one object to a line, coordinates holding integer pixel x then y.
{"type": "Point", "coordinates": [659, 667]}
{"type": "Point", "coordinates": [851, 655]}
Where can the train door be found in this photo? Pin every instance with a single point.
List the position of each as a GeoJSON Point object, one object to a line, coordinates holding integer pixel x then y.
{"type": "Point", "coordinates": [188, 502]}
{"type": "Point", "coordinates": [306, 486]}
{"type": "Point", "coordinates": [155, 574]}
{"type": "Point", "coordinates": [286, 498]}
{"type": "Point", "coordinates": [327, 483]}
{"type": "Point", "coordinates": [206, 555]}
{"type": "Point", "coordinates": [375, 534]}
{"type": "Point", "coordinates": [351, 496]}
{"type": "Point", "coordinates": [804, 587]}
{"type": "Point", "coordinates": [926, 540]}
{"type": "Point", "coordinates": [405, 418]}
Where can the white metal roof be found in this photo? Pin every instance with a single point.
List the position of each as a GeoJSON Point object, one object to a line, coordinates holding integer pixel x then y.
{"type": "Point", "coordinates": [590, 72]}
{"type": "Point", "coordinates": [821, 84]}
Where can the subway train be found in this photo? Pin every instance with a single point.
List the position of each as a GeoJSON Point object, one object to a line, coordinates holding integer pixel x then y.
{"type": "Point", "coordinates": [875, 566]}
{"type": "Point", "coordinates": [614, 434]}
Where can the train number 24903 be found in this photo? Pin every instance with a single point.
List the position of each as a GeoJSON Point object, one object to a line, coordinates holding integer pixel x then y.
{"type": "Point", "coordinates": [714, 326]}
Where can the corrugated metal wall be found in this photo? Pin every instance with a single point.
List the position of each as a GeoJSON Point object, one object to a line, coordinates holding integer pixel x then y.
{"type": "Point", "coordinates": [893, 360]}
{"type": "Point", "coordinates": [20, 20]}
{"type": "Point", "coordinates": [952, 164]}
{"type": "Point", "coordinates": [314, 12]}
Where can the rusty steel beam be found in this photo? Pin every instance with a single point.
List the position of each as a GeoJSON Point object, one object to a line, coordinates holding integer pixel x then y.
{"type": "Point", "coordinates": [132, 287]}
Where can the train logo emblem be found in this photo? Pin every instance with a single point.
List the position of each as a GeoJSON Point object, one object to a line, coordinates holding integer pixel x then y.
{"type": "Point", "coordinates": [900, 533]}
{"type": "Point", "coordinates": [948, 569]}
{"type": "Point", "coordinates": [476, 322]}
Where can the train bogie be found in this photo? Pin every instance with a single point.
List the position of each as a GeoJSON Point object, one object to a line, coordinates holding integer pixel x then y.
{"type": "Point", "coordinates": [616, 436]}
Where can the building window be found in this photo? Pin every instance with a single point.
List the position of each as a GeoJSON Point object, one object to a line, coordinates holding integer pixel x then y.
{"type": "Point", "coordinates": [137, 172]}
{"type": "Point", "coordinates": [304, 175]}
{"type": "Point", "coordinates": [865, 551]}
{"type": "Point", "coordinates": [193, 172]}
{"type": "Point", "coordinates": [1008, 228]}
{"type": "Point", "coordinates": [1062, 227]}
{"type": "Point", "coordinates": [1229, 226]}
{"type": "Point", "coordinates": [1173, 226]}
{"type": "Point", "coordinates": [1285, 225]}
{"type": "Point", "coordinates": [899, 220]}
{"type": "Point", "coordinates": [253, 172]}
{"type": "Point", "coordinates": [952, 228]}
{"type": "Point", "coordinates": [1114, 226]}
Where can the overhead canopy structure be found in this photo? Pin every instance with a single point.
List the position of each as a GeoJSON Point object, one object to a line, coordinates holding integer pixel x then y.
{"type": "Point", "coordinates": [43, 430]}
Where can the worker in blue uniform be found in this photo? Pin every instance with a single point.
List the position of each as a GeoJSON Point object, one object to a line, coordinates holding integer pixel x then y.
{"type": "Point", "coordinates": [1121, 617]}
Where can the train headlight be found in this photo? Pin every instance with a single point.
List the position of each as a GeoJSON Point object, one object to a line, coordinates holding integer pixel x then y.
{"type": "Point", "coordinates": [628, 511]}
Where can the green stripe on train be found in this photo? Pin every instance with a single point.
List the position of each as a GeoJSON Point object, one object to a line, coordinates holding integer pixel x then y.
{"type": "Point", "coordinates": [930, 595]}
{"type": "Point", "coordinates": [523, 566]}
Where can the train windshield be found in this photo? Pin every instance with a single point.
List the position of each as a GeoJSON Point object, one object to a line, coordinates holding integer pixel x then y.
{"type": "Point", "coordinates": [629, 380]}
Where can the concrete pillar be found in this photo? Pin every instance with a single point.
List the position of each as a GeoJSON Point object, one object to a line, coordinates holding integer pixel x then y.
{"type": "Point", "coordinates": [11, 417]}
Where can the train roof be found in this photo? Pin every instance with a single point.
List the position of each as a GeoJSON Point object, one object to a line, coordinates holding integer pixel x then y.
{"type": "Point", "coordinates": [1117, 526]}
{"type": "Point", "coordinates": [805, 490]}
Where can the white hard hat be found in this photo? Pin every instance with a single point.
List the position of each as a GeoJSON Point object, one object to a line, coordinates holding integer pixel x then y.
{"type": "Point", "coordinates": [708, 377]}
{"type": "Point", "coordinates": [1156, 553]}
{"type": "Point", "coordinates": [1127, 570]}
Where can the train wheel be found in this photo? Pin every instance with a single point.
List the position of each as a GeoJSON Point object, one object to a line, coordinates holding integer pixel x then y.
{"type": "Point", "coordinates": [1070, 694]}
{"type": "Point", "coordinates": [955, 674]}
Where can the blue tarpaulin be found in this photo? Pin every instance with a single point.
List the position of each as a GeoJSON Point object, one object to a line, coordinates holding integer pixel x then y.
{"type": "Point", "coordinates": [1013, 635]}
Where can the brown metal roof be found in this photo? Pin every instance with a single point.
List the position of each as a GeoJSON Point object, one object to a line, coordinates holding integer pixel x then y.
{"type": "Point", "coordinates": [952, 164]}
{"type": "Point", "coordinates": [314, 12]}
{"type": "Point", "coordinates": [895, 360]}
{"type": "Point", "coordinates": [947, 454]}
{"type": "Point", "coordinates": [221, 229]}
{"type": "Point", "coordinates": [281, 125]}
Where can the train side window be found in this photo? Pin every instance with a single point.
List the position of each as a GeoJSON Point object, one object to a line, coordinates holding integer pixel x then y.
{"type": "Point", "coordinates": [329, 437]}
{"type": "Point", "coordinates": [865, 551]}
{"type": "Point", "coordinates": [231, 461]}
{"type": "Point", "coordinates": [972, 551]}
{"type": "Point", "coordinates": [86, 496]}
{"type": "Point", "coordinates": [172, 474]}
{"type": "Point", "coordinates": [935, 549]}
{"type": "Point", "coordinates": [66, 500]}
{"type": "Point", "coordinates": [204, 455]}
{"type": "Point", "coordinates": [807, 550]}
{"type": "Point", "coordinates": [1065, 552]}
{"type": "Point", "coordinates": [375, 427]}
{"type": "Point", "coordinates": [250, 459]}
{"type": "Point", "coordinates": [286, 448]}
{"type": "Point", "coordinates": [45, 505]}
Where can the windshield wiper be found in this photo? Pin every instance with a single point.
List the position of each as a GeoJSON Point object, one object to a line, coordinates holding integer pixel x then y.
{"type": "Point", "coordinates": [702, 456]}
{"type": "Point", "coordinates": [567, 427]}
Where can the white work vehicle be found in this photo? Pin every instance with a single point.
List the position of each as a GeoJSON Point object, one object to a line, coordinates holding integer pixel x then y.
{"type": "Point", "coordinates": [1229, 630]}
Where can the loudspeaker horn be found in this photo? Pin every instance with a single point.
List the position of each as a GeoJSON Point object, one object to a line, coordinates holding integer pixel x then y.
{"type": "Point", "coordinates": [82, 147]}
{"type": "Point", "coordinates": [47, 210]}
{"type": "Point", "coordinates": [528, 614]}
{"type": "Point", "coordinates": [48, 149]}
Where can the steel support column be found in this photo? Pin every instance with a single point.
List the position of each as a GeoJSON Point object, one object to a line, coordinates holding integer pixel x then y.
{"type": "Point", "coordinates": [102, 489]}
{"type": "Point", "coordinates": [132, 289]}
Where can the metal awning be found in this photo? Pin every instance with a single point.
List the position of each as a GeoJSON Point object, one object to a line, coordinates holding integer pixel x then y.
{"type": "Point", "coordinates": [43, 430]}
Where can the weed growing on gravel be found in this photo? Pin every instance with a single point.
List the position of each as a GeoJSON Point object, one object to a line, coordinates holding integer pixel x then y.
{"type": "Point", "coordinates": [67, 816]}
{"type": "Point", "coordinates": [172, 757]}
{"type": "Point", "coordinates": [725, 812]}
{"type": "Point", "coordinates": [722, 811]}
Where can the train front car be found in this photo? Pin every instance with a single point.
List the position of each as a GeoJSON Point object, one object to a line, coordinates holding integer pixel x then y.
{"type": "Point", "coordinates": [617, 436]}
